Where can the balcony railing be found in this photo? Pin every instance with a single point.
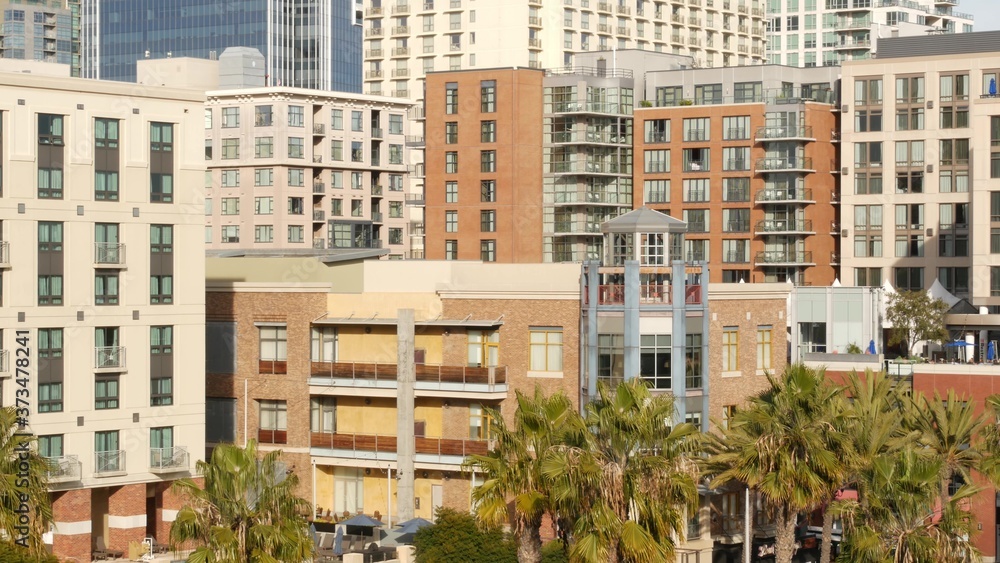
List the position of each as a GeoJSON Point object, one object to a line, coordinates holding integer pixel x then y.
{"type": "Point", "coordinates": [109, 462]}
{"type": "Point", "coordinates": [109, 357]}
{"type": "Point", "coordinates": [387, 444]}
{"type": "Point", "coordinates": [109, 253]}
{"type": "Point", "coordinates": [771, 133]}
{"type": "Point", "coordinates": [784, 257]}
{"type": "Point", "coordinates": [4, 254]}
{"type": "Point", "coordinates": [319, 129]}
{"type": "Point", "coordinates": [4, 361]}
{"type": "Point", "coordinates": [63, 469]}
{"type": "Point", "coordinates": [648, 293]}
{"type": "Point", "coordinates": [785, 164]}
{"type": "Point", "coordinates": [415, 199]}
{"type": "Point", "coordinates": [272, 366]}
{"type": "Point", "coordinates": [319, 215]}
{"type": "Point", "coordinates": [589, 197]}
{"type": "Point", "coordinates": [784, 226]}
{"type": "Point", "coordinates": [376, 216]}
{"type": "Point", "coordinates": [785, 195]}
{"type": "Point", "coordinates": [425, 373]}
{"type": "Point", "coordinates": [168, 460]}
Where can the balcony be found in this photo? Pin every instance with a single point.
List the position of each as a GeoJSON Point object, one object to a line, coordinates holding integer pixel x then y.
{"type": "Point", "coordinates": [374, 32]}
{"type": "Point", "coordinates": [784, 227]}
{"type": "Point", "coordinates": [4, 254]}
{"type": "Point", "coordinates": [593, 197]}
{"type": "Point", "coordinates": [851, 45]}
{"type": "Point", "coordinates": [271, 367]}
{"type": "Point", "coordinates": [430, 378]}
{"type": "Point", "coordinates": [109, 463]}
{"type": "Point", "coordinates": [414, 141]}
{"type": "Point", "coordinates": [64, 469]}
{"type": "Point", "coordinates": [785, 195]}
{"type": "Point", "coordinates": [650, 294]}
{"type": "Point", "coordinates": [401, 51]}
{"type": "Point", "coordinates": [106, 254]}
{"type": "Point", "coordinates": [319, 129]}
{"type": "Point", "coordinates": [804, 133]}
{"type": "Point", "coordinates": [577, 228]}
{"type": "Point", "coordinates": [401, 9]}
{"type": "Point", "coordinates": [415, 199]}
{"type": "Point", "coordinates": [376, 190]}
{"type": "Point", "coordinates": [400, 72]}
{"type": "Point", "coordinates": [319, 187]}
{"type": "Point", "coordinates": [377, 217]}
{"type": "Point", "coordinates": [111, 358]}
{"type": "Point", "coordinates": [373, 74]}
{"type": "Point", "coordinates": [319, 215]}
{"type": "Point", "coordinates": [373, 53]}
{"type": "Point", "coordinates": [370, 446]}
{"type": "Point", "coordinates": [534, 42]}
{"type": "Point", "coordinates": [372, 12]}
{"type": "Point", "coordinates": [317, 159]}
{"type": "Point", "coordinates": [801, 164]}
{"type": "Point", "coordinates": [534, 21]}
{"type": "Point", "coordinates": [401, 30]}
{"type": "Point", "coordinates": [168, 460]}
{"type": "Point", "coordinates": [784, 258]}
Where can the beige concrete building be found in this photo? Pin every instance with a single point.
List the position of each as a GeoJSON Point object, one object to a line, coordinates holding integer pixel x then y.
{"type": "Point", "coordinates": [295, 169]}
{"type": "Point", "coordinates": [307, 364]}
{"type": "Point", "coordinates": [921, 175]}
{"type": "Point", "coordinates": [404, 40]}
{"type": "Point", "coordinates": [101, 213]}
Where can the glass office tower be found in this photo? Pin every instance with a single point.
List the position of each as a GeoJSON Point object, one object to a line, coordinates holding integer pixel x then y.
{"type": "Point", "coordinates": [41, 30]}
{"type": "Point", "coordinates": [307, 43]}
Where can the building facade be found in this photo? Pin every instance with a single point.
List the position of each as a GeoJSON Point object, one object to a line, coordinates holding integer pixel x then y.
{"type": "Point", "coordinates": [45, 30]}
{"type": "Point", "coordinates": [828, 32]}
{"type": "Point", "coordinates": [405, 41]}
{"type": "Point", "coordinates": [932, 211]}
{"type": "Point", "coordinates": [311, 44]}
{"type": "Point", "coordinates": [748, 158]}
{"type": "Point", "coordinates": [100, 189]}
{"type": "Point", "coordinates": [308, 364]}
{"type": "Point", "coordinates": [308, 170]}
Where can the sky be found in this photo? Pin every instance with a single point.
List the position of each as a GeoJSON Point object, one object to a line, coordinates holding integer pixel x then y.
{"type": "Point", "coordinates": [986, 12]}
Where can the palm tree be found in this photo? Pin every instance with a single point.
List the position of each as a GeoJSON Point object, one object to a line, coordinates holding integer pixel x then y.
{"type": "Point", "coordinates": [246, 512]}
{"type": "Point", "coordinates": [632, 485]}
{"type": "Point", "coordinates": [990, 465]}
{"type": "Point", "coordinates": [512, 469]}
{"type": "Point", "coordinates": [902, 519]}
{"type": "Point", "coordinates": [23, 487]}
{"type": "Point", "coordinates": [785, 446]}
{"type": "Point", "coordinates": [950, 430]}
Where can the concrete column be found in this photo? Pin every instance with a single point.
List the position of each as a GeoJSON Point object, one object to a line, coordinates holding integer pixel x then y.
{"type": "Point", "coordinates": [631, 319]}
{"type": "Point", "coordinates": [678, 338]}
{"type": "Point", "coordinates": [126, 516]}
{"type": "Point", "coordinates": [703, 291]}
{"type": "Point", "coordinates": [588, 332]}
{"type": "Point", "coordinates": [72, 518]}
{"type": "Point", "coordinates": [405, 440]}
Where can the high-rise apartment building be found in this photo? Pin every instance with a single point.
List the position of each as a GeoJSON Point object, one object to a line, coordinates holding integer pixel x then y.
{"type": "Point", "coordinates": [748, 158]}
{"type": "Point", "coordinates": [309, 170]}
{"type": "Point", "coordinates": [404, 41]}
{"type": "Point", "coordinates": [828, 32]}
{"type": "Point", "coordinates": [921, 170]}
{"type": "Point", "coordinates": [103, 297]}
{"type": "Point", "coordinates": [306, 43]}
{"type": "Point", "coordinates": [42, 30]}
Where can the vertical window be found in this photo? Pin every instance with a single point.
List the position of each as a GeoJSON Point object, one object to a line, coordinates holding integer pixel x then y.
{"type": "Point", "coordinates": [273, 349]}
{"type": "Point", "coordinates": [488, 131]}
{"type": "Point", "coordinates": [161, 353]}
{"type": "Point", "coordinates": [296, 116]}
{"type": "Point", "coordinates": [730, 349]}
{"type": "Point", "coordinates": [230, 117]}
{"type": "Point", "coordinates": [546, 348]}
{"type": "Point", "coordinates": [487, 191]}
{"type": "Point", "coordinates": [451, 98]}
{"type": "Point", "coordinates": [763, 347]}
{"type": "Point", "coordinates": [488, 221]}
{"type": "Point", "coordinates": [50, 129]}
{"type": "Point", "coordinates": [451, 221]}
{"type": "Point", "coordinates": [323, 415]}
{"type": "Point", "coordinates": [50, 356]}
{"type": "Point", "coordinates": [451, 250]}
{"type": "Point", "coordinates": [692, 360]}
{"type": "Point", "coordinates": [337, 120]}
{"type": "Point", "coordinates": [161, 290]}
{"type": "Point", "coordinates": [451, 133]}
{"type": "Point", "coordinates": [488, 250]}
{"type": "Point", "coordinates": [161, 137]}
{"type": "Point", "coordinates": [728, 413]}
{"type": "Point", "coordinates": [451, 163]}
{"type": "Point", "coordinates": [273, 422]}
{"type": "Point", "coordinates": [50, 183]}
{"type": "Point", "coordinates": [263, 116]}
{"type": "Point", "coordinates": [296, 233]}
{"type": "Point", "coordinates": [106, 392]}
{"type": "Point", "coordinates": [108, 457]}
{"type": "Point", "coordinates": [263, 147]}
{"type": "Point", "coordinates": [487, 161]}
{"type": "Point", "coordinates": [106, 287]}
{"type": "Point", "coordinates": [50, 446]}
{"type": "Point", "coordinates": [479, 423]}
{"type": "Point", "coordinates": [105, 185]}
{"type": "Point", "coordinates": [488, 96]}
{"type": "Point", "coordinates": [295, 148]}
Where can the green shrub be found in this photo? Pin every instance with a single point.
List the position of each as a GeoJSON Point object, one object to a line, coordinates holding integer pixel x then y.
{"type": "Point", "coordinates": [10, 553]}
{"type": "Point", "coordinates": [554, 552]}
{"type": "Point", "coordinates": [455, 536]}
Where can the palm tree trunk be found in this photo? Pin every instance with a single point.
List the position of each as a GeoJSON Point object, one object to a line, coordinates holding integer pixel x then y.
{"type": "Point", "coordinates": [784, 547]}
{"type": "Point", "coordinates": [826, 548]}
{"type": "Point", "coordinates": [529, 545]}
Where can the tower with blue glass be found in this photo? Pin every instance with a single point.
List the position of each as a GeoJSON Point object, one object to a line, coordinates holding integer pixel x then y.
{"type": "Point", "coordinates": [306, 43]}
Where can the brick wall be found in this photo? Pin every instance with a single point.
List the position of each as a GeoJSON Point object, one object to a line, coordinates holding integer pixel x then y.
{"type": "Point", "coordinates": [127, 501]}
{"type": "Point", "coordinates": [69, 507]}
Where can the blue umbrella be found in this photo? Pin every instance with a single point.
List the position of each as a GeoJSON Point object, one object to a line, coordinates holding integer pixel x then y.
{"type": "Point", "coordinates": [871, 346]}
{"type": "Point", "coordinates": [993, 86]}
{"type": "Point", "coordinates": [338, 541]}
{"type": "Point", "coordinates": [411, 526]}
{"type": "Point", "coordinates": [991, 351]}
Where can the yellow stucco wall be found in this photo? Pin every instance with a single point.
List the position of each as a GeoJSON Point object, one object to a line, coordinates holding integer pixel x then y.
{"type": "Point", "coordinates": [375, 486]}
{"type": "Point", "coordinates": [387, 305]}
{"type": "Point", "coordinates": [379, 417]}
{"type": "Point", "coordinates": [380, 345]}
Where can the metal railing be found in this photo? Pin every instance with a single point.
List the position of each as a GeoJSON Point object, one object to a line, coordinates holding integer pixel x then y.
{"type": "Point", "coordinates": [615, 198]}
{"type": "Point", "coordinates": [4, 252]}
{"type": "Point", "coordinates": [319, 187]}
{"type": "Point", "coordinates": [319, 215]}
{"type": "Point", "coordinates": [425, 373]}
{"type": "Point", "coordinates": [4, 361]}
{"type": "Point", "coordinates": [387, 444]}
{"type": "Point", "coordinates": [784, 226]}
{"type": "Point", "coordinates": [784, 257]}
{"type": "Point", "coordinates": [109, 462]}
{"type": "Point", "coordinates": [773, 164]}
{"type": "Point", "coordinates": [109, 357]}
{"type": "Point", "coordinates": [168, 459]}
{"type": "Point", "coordinates": [648, 293]}
{"type": "Point", "coordinates": [785, 194]}
{"type": "Point", "coordinates": [64, 468]}
{"type": "Point", "coordinates": [777, 132]}
{"type": "Point", "coordinates": [111, 253]}
{"type": "Point", "coordinates": [319, 129]}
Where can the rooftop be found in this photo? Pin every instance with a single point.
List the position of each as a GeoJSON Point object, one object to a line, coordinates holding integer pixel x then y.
{"type": "Point", "coordinates": [935, 45]}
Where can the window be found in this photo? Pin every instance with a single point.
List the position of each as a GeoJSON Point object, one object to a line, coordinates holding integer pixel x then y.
{"type": "Point", "coordinates": [451, 133]}
{"type": "Point", "coordinates": [868, 120]}
{"type": "Point", "coordinates": [337, 207]}
{"type": "Point", "coordinates": [868, 92]}
{"type": "Point", "coordinates": [736, 220]}
{"type": "Point", "coordinates": [451, 221]}
{"type": "Point", "coordinates": [868, 155]}
{"type": "Point", "coordinates": [262, 116]}
{"type": "Point", "coordinates": [208, 118]}
{"type": "Point", "coordinates": [955, 280]}
{"type": "Point", "coordinates": [908, 279]}
{"type": "Point", "coordinates": [50, 129]}
{"type": "Point", "coordinates": [487, 161]}
{"type": "Point", "coordinates": [657, 131]}
{"type": "Point", "coordinates": [546, 348]}
{"type": "Point", "coordinates": [296, 206]}
{"type": "Point", "coordinates": [451, 250]}
{"type": "Point", "coordinates": [395, 154]}
{"type": "Point", "coordinates": [488, 131]}
{"type": "Point", "coordinates": [50, 446]}
{"type": "Point", "coordinates": [161, 290]}
{"type": "Point", "coordinates": [748, 92]}
{"type": "Point", "coordinates": [296, 117]}
{"type": "Point", "coordinates": [337, 150]}
{"type": "Point", "coordinates": [954, 152]}
{"type": "Point", "coordinates": [50, 354]}
{"type": "Point", "coordinates": [656, 191]}
{"type": "Point", "coordinates": [736, 189]}
{"type": "Point", "coordinates": [395, 124]}
{"type": "Point", "coordinates": [105, 186]}
{"type": "Point", "coordinates": [106, 392]}
{"type": "Point", "coordinates": [263, 233]}
{"type": "Point", "coordinates": [161, 137]}
{"type": "Point", "coordinates": [357, 121]}
{"type": "Point", "coordinates": [865, 183]}
{"type": "Point", "coordinates": [479, 423]}
{"type": "Point", "coordinates": [230, 233]}
{"type": "Point", "coordinates": [994, 281]}
{"type": "Point", "coordinates": [161, 365]}
{"type": "Point", "coordinates": [106, 287]}
{"type": "Point", "coordinates": [296, 177]}
{"type": "Point", "coordinates": [263, 147]}
{"type": "Point", "coordinates": [395, 210]}
{"type": "Point", "coordinates": [871, 277]}
{"type": "Point", "coordinates": [50, 290]}
{"type": "Point", "coordinates": [230, 117]}
{"type": "Point", "coordinates": [736, 251]}
{"type": "Point", "coordinates": [488, 96]}
{"type": "Point", "coordinates": [654, 358]}
{"type": "Point", "coordinates": [357, 151]}
{"type": "Point", "coordinates": [273, 422]}
{"type": "Point", "coordinates": [735, 158]}
{"type": "Point", "coordinates": [488, 221]}
{"type": "Point", "coordinates": [488, 250]}
{"type": "Point", "coordinates": [295, 233]}
{"type": "Point", "coordinates": [730, 349]}
{"type": "Point", "coordinates": [451, 163]}
{"type": "Point", "coordinates": [230, 178]}
{"type": "Point", "coordinates": [108, 456]}
{"type": "Point", "coordinates": [161, 188]}
{"type": "Point", "coordinates": [263, 177]}
{"type": "Point", "coordinates": [451, 98]}
{"type": "Point", "coordinates": [697, 160]}
{"type": "Point", "coordinates": [483, 348]}
{"type": "Point", "coordinates": [764, 347]}
{"type": "Point", "coordinates": [337, 120]}
{"type": "Point", "coordinates": [696, 129]}
{"type": "Point", "coordinates": [323, 414]}
{"type": "Point", "coordinates": [295, 148]}
{"type": "Point", "coordinates": [106, 133]}
{"type": "Point", "coordinates": [910, 119]}
{"type": "Point", "coordinates": [657, 161]}
{"type": "Point", "coordinates": [705, 94]}
{"type": "Point", "coordinates": [357, 208]}
{"type": "Point", "coordinates": [161, 239]}
{"type": "Point", "coordinates": [50, 183]}
{"type": "Point", "coordinates": [696, 190]}
{"type": "Point", "coordinates": [736, 128]}
{"type": "Point", "coordinates": [230, 206]}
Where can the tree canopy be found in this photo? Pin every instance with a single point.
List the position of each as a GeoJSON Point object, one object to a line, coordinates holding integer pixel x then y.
{"type": "Point", "coordinates": [915, 316]}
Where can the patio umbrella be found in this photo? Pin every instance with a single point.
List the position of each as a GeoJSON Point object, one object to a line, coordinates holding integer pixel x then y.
{"type": "Point", "coordinates": [361, 525]}
{"type": "Point", "coordinates": [871, 346]}
{"type": "Point", "coordinates": [991, 351]}
{"type": "Point", "coordinates": [407, 530]}
{"type": "Point", "coordinates": [312, 532]}
{"type": "Point", "coordinates": [338, 542]}
{"type": "Point", "coordinates": [993, 86]}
